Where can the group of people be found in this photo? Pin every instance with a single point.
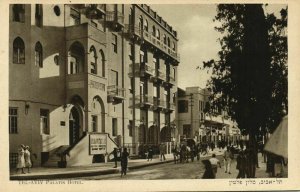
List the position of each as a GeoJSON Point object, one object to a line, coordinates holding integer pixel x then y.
{"type": "Point", "coordinates": [24, 159]}
{"type": "Point", "coordinates": [247, 162]}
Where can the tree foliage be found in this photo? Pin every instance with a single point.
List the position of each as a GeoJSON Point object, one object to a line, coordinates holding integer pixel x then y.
{"type": "Point", "coordinates": [249, 79]}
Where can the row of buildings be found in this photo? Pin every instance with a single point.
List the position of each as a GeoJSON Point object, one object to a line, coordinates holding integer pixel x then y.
{"type": "Point", "coordinates": [85, 78]}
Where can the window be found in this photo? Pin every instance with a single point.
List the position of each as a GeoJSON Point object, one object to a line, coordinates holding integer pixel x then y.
{"type": "Point", "coordinates": [93, 60]}
{"type": "Point", "coordinates": [157, 34]}
{"type": "Point", "coordinates": [174, 46]}
{"type": "Point", "coordinates": [38, 15]}
{"type": "Point", "coordinates": [13, 120]}
{"type": "Point", "coordinates": [75, 16]}
{"type": "Point", "coordinates": [94, 123]}
{"type": "Point", "coordinates": [18, 51]}
{"type": "Point", "coordinates": [174, 98]}
{"type": "Point", "coordinates": [56, 10]}
{"type": "Point", "coordinates": [140, 23]}
{"type": "Point", "coordinates": [165, 39]}
{"type": "Point", "coordinates": [44, 121]}
{"type": "Point", "coordinates": [13, 159]}
{"type": "Point", "coordinates": [102, 63]}
{"type": "Point", "coordinates": [115, 43]}
{"type": "Point", "coordinates": [38, 55]}
{"type": "Point", "coordinates": [19, 13]}
{"type": "Point", "coordinates": [183, 106]}
{"type": "Point", "coordinates": [114, 126]}
{"type": "Point", "coordinates": [130, 126]}
{"type": "Point", "coordinates": [146, 25]}
{"type": "Point", "coordinates": [113, 78]}
{"type": "Point", "coordinates": [168, 42]}
{"type": "Point", "coordinates": [153, 30]}
{"type": "Point", "coordinates": [76, 58]}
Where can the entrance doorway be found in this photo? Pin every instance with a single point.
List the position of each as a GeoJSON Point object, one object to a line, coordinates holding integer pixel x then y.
{"type": "Point", "coordinates": [74, 126]}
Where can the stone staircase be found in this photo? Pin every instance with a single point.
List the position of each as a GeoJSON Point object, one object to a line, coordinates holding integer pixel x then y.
{"type": "Point", "coordinates": [55, 156]}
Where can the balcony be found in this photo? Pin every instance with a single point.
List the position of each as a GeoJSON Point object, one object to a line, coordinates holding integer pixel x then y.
{"type": "Point", "coordinates": [83, 31]}
{"type": "Point", "coordinates": [141, 70]}
{"type": "Point", "coordinates": [160, 76]}
{"type": "Point", "coordinates": [146, 101]}
{"type": "Point", "coordinates": [160, 44]}
{"type": "Point", "coordinates": [159, 104]}
{"type": "Point", "coordinates": [115, 94]}
{"type": "Point", "coordinates": [137, 101]}
{"type": "Point", "coordinates": [115, 19]}
{"type": "Point", "coordinates": [132, 31]}
{"type": "Point", "coordinates": [170, 81]}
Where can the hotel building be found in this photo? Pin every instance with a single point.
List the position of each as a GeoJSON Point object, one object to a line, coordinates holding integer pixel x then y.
{"type": "Point", "coordinates": [85, 78]}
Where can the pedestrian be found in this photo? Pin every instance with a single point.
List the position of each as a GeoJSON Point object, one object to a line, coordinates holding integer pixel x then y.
{"type": "Point", "coordinates": [208, 173]}
{"type": "Point", "coordinates": [214, 164]}
{"type": "Point", "coordinates": [197, 151]}
{"type": "Point", "coordinates": [175, 153]}
{"type": "Point", "coordinates": [227, 159]}
{"type": "Point", "coordinates": [21, 159]}
{"type": "Point", "coordinates": [27, 158]}
{"type": "Point", "coordinates": [115, 153]}
{"type": "Point", "coordinates": [241, 164]}
{"type": "Point", "coordinates": [124, 161]}
{"type": "Point", "coordinates": [162, 152]}
{"type": "Point", "coordinates": [150, 153]}
{"type": "Point", "coordinates": [192, 153]}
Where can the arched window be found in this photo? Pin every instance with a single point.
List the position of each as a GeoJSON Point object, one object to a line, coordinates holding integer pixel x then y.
{"type": "Point", "coordinates": [157, 34]}
{"type": "Point", "coordinates": [93, 59]}
{"type": "Point", "coordinates": [38, 55]}
{"type": "Point", "coordinates": [140, 23]}
{"type": "Point", "coordinates": [146, 25]}
{"type": "Point", "coordinates": [169, 42]}
{"type": "Point", "coordinates": [18, 51]}
{"type": "Point", "coordinates": [19, 13]}
{"type": "Point", "coordinates": [39, 15]}
{"type": "Point", "coordinates": [153, 30]}
{"type": "Point", "coordinates": [165, 39]}
{"type": "Point", "coordinates": [76, 58]}
{"type": "Point", "coordinates": [102, 63]}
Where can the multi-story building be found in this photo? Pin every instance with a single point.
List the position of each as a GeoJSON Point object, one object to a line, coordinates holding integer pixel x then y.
{"type": "Point", "coordinates": [85, 78]}
{"type": "Point", "coordinates": [197, 121]}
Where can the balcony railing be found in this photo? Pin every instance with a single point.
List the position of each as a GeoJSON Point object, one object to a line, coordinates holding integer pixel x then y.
{"type": "Point", "coordinates": [160, 74]}
{"type": "Point", "coordinates": [147, 69]}
{"type": "Point", "coordinates": [115, 91]}
{"type": "Point", "coordinates": [159, 103]}
{"type": "Point", "coordinates": [130, 29]}
{"type": "Point", "coordinates": [141, 70]}
{"type": "Point", "coordinates": [146, 100]}
{"type": "Point", "coordinates": [115, 16]}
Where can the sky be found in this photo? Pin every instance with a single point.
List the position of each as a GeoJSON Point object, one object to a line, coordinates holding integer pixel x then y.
{"type": "Point", "coordinates": [197, 38]}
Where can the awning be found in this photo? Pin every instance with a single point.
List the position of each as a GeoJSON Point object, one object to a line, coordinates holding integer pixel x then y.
{"type": "Point", "coordinates": [278, 142]}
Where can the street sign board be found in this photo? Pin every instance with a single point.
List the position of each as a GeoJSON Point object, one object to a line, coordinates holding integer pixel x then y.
{"type": "Point", "coordinates": [98, 143]}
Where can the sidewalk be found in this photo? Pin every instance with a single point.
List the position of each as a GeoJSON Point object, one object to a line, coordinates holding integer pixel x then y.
{"type": "Point", "coordinates": [91, 170]}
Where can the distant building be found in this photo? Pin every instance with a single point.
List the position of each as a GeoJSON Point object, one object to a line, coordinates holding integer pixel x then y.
{"type": "Point", "coordinates": [85, 78]}
{"type": "Point", "coordinates": [195, 122]}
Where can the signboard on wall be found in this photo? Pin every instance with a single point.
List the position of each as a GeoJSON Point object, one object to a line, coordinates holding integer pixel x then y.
{"type": "Point", "coordinates": [98, 144]}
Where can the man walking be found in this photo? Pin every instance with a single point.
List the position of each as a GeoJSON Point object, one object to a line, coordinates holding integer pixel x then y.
{"type": "Point", "coordinates": [162, 152]}
{"type": "Point", "coordinates": [227, 159]}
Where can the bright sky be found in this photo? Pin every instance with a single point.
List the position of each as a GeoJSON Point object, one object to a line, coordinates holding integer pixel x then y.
{"type": "Point", "coordinates": [197, 38]}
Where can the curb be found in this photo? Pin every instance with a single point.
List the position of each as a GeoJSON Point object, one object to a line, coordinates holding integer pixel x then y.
{"type": "Point", "coordinates": [69, 175]}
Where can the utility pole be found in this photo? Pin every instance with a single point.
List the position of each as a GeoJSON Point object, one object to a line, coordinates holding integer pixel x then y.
{"type": "Point", "coordinates": [191, 106]}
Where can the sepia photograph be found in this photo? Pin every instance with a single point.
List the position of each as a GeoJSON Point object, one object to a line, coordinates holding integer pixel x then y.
{"type": "Point", "coordinates": [148, 92]}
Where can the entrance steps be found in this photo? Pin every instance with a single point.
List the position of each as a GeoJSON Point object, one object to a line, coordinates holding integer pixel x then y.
{"type": "Point", "coordinates": [55, 156]}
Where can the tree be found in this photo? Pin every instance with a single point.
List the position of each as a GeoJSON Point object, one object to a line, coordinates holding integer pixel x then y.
{"type": "Point", "coordinates": [250, 77]}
